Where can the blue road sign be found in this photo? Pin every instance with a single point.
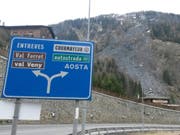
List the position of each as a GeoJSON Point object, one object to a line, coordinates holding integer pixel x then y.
{"type": "Point", "coordinates": [49, 69]}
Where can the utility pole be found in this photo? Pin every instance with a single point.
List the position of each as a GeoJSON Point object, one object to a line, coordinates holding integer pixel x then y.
{"type": "Point", "coordinates": [89, 11]}
{"type": "Point", "coordinates": [85, 103]}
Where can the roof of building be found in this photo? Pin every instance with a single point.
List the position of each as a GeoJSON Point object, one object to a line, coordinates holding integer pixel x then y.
{"type": "Point", "coordinates": [29, 27]}
{"type": "Point", "coordinates": [157, 98]}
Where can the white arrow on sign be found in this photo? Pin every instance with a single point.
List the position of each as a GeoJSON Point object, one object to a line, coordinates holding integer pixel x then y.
{"type": "Point", "coordinates": [49, 79]}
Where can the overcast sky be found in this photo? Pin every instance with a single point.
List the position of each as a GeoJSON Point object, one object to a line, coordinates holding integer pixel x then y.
{"type": "Point", "coordinates": [45, 12]}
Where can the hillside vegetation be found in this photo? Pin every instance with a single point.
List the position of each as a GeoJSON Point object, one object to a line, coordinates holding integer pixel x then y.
{"type": "Point", "coordinates": [132, 52]}
{"type": "Point", "coordinates": [107, 77]}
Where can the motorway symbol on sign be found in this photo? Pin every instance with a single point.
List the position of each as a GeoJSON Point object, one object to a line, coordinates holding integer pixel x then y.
{"type": "Point", "coordinates": [49, 69]}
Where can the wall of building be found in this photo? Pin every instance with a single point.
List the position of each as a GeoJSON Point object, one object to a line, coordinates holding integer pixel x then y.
{"type": "Point", "coordinates": [31, 32]}
{"type": "Point", "coordinates": [2, 70]}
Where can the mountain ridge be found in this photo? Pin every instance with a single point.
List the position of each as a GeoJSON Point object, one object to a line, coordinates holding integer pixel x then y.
{"type": "Point", "coordinates": [141, 43]}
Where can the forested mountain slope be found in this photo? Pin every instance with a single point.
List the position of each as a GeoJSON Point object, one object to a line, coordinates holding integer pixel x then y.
{"type": "Point", "coordinates": [132, 52]}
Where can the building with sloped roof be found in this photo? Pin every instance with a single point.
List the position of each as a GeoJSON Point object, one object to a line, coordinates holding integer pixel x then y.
{"type": "Point", "coordinates": [34, 31]}
{"type": "Point", "coordinates": [37, 31]}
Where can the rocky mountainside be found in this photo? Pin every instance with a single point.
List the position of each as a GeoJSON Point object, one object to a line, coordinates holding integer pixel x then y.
{"type": "Point", "coordinates": [145, 46]}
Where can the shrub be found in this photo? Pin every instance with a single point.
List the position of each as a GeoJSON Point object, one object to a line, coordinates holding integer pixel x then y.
{"type": "Point", "coordinates": [106, 76]}
{"type": "Point", "coordinates": [166, 77]}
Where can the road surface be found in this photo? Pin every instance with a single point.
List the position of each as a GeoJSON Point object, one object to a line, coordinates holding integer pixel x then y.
{"type": "Point", "coordinates": [38, 129]}
{"type": "Point", "coordinates": [60, 129]}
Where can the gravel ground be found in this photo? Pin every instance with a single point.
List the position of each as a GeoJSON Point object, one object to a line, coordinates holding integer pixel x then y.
{"type": "Point", "coordinates": [157, 133]}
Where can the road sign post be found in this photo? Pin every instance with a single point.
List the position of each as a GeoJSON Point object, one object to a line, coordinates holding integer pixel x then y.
{"type": "Point", "coordinates": [76, 117]}
{"type": "Point", "coordinates": [49, 69]}
{"type": "Point", "coordinates": [15, 117]}
{"type": "Point", "coordinates": [84, 110]}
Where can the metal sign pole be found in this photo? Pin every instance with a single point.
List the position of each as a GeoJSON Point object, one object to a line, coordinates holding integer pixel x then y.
{"type": "Point", "coordinates": [84, 110]}
{"type": "Point", "coordinates": [15, 117]}
{"type": "Point", "coordinates": [142, 111]}
{"type": "Point", "coordinates": [89, 11]}
{"type": "Point", "coordinates": [76, 117]}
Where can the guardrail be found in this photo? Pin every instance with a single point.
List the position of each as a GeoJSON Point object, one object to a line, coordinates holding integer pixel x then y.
{"type": "Point", "coordinates": [115, 130]}
{"type": "Point", "coordinates": [4, 58]}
